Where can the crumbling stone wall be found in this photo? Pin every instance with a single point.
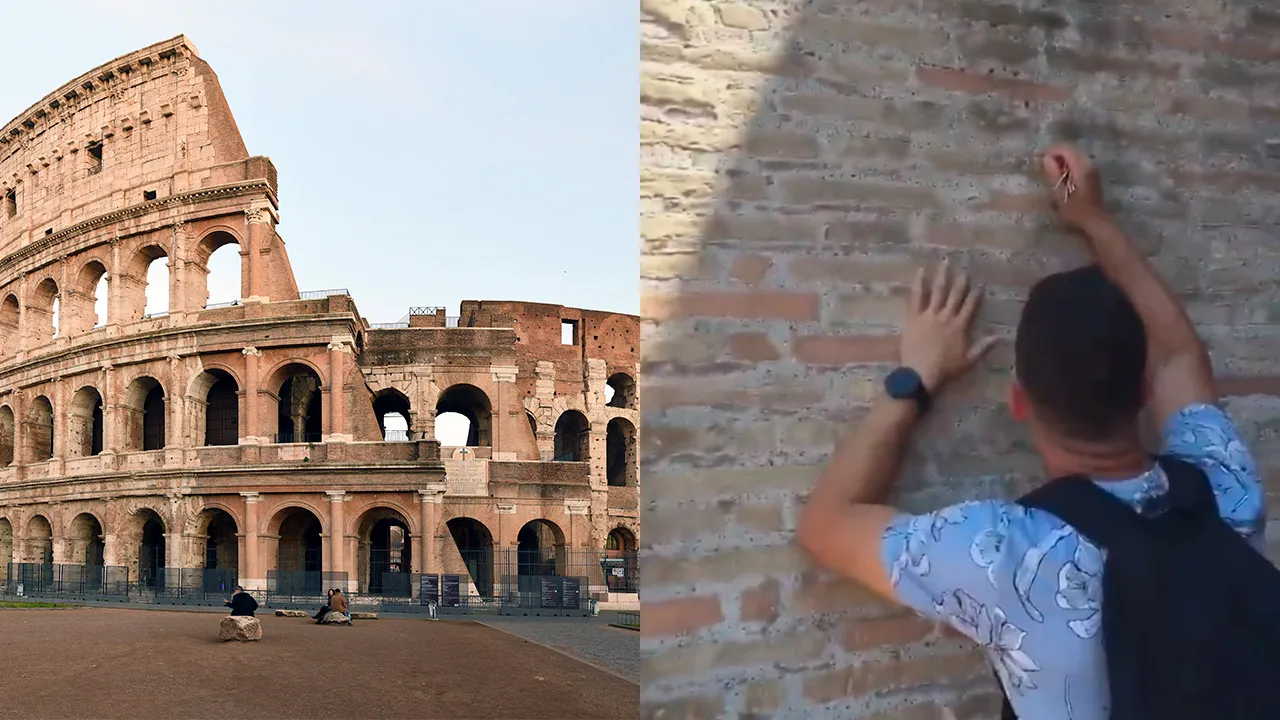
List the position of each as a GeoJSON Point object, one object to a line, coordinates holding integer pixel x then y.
{"type": "Point", "coordinates": [799, 161]}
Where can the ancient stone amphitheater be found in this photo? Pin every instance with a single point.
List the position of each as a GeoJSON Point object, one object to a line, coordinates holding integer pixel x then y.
{"type": "Point", "coordinates": [277, 440]}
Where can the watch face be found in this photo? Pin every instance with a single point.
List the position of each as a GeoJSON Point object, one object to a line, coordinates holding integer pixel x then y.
{"type": "Point", "coordinates": [902, 384]}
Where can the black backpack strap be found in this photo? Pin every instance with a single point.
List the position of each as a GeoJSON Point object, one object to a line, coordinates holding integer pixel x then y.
{"type": "Point", "coordinates": [1189, 488]}
{"type": "Point", "coordinates": [1094, 512]}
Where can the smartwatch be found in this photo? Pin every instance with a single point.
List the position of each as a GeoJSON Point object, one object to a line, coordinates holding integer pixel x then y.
{"type": "Point", "coordinates": [906, 384]}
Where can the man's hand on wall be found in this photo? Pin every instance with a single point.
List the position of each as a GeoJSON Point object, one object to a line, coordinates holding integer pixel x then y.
{"type": "Point", "coordinates": [1076, 187]}
{"type": "Point", "coordinates": [935, 339]}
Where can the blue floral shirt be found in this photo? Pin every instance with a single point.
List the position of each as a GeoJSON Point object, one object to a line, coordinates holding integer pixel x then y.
{"type": "Point", "coordinates": [1028, 588]}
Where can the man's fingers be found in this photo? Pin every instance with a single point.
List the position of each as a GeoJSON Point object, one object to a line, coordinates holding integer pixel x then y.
{"type": "Point", "coordinates": [981, 347]}
{"type": "Point", "coordinates": [938, 293]}
{"type": "Point", "coordinates": [916, 304]}
{"type": "Point", "coordinates": [959, 294]}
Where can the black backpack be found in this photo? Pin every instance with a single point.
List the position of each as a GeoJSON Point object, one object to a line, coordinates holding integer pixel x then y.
{"type": "Point", "coordinates": [1190, 612]}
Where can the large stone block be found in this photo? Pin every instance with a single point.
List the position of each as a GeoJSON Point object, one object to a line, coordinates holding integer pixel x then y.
{"type": "Point", "coordinates": [244, 629]}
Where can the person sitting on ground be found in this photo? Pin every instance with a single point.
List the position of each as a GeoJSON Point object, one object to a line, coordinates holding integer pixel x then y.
{"type": "Point", "coordinates": [324, 609]}
{"type": "Point", "coordinates": [1093, 346]}
{"type": "Point", "coordinates": [242, 603]}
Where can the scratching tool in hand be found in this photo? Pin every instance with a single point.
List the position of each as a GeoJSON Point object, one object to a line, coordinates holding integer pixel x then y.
{"type": "Point", "coordinates": [1065, 180]}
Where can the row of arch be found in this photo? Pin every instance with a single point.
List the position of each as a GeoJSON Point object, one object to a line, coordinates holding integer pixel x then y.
{"type": "Point", "coordinates": [143, 290]}
{"type": "Point", "coordinates": [298, 419]}
{"type": "Point", "coordinates": [384, 546]}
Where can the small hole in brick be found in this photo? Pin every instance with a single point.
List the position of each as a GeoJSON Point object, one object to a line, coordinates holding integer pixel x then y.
{"type": "Point", "coordinates": [148, 195]}
{"type": "Point", "coordinates": [48, 231]}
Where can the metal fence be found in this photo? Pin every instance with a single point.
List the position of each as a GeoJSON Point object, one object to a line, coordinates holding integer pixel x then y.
{"type": "Point", "coordinates": [61, 579]}
{"type": "Point", "coordinates": [497, 571]}
{"type": "Point", "coordinates": [629, 619]}
{"type": "Point", "coordinates": [321, 294]}
{"type": "Point", "coordinates": [286, 438]}
{"type": "Point", "coordinates": [301, 587]}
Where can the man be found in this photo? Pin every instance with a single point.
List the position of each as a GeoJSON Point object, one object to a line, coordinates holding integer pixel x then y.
{"type": "Point", "coordinates": [1093, 347]}
{"type": "Point", "coordinates": [242, 603]}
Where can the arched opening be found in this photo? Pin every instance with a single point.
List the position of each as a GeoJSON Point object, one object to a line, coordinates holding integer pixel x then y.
{"type": "Point", "coordinates": [464, 406]}
{"type": "Point", "coordinates": [6, 435]}
{"type": "Point", "coordinates": [299, 562]}
{"type": "Point", "coordinates": [156, 263]}
{"type": "Point", "coordinates": [39, 430]}
{"type": "Point", "coordinates": [221, 551]}
{"type": "Point", "coordinates": [299, 414]}
{"type": "Point", "coordinates": [218, 259]}
{"type": "Point", "coordinates": [151, 550]}
{"type": "Point", "coordinates": [10, 311]}
{"type": "Point", "coordinates": [572, 437]}
{"type": "Point", "coordinates": [385, 562]}
{"type": "Point", "coordinates": [392, 410]}
{"type": "Point", "coordinates": [216, 410]}
{"type": "Point", "coordinates": [620, 392]}
{"type": "Point", "coordinates": [86, 308]}
{"type": "Point", "coordinates": [84, 423]}
{"type": "Point", "coordinates": [37, 574]}
{"type": "Point", "coordinates": [539, 552]}
{"type": "Point", "coordinates": [86, 542]}
{"type": "Point", "coordinates": [6, 548]}
{"type": "Point", "coordinates": [145, 415]}
{"type": "Point", "coordinates": [475, 546]}
{"type": "Point", "coordinates": [620, 453]}
{"type": "Point", "coordinates": [41, 313]}
{"type": "Point", "coordinates": [622, 561]}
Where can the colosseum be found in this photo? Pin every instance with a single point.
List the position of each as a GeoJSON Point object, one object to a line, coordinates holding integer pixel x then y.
{"type": "Point", "coordinates": [279, 440]}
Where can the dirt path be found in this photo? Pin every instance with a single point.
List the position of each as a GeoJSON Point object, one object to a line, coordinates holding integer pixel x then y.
{"type": "Point", "coordinates": [116, 663]}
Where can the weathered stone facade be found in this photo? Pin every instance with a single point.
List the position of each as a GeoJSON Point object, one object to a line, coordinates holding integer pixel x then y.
{"type": "Point", "coordinates": [250, 436]}
{"type": "Point", "coordinates": [800, 159]}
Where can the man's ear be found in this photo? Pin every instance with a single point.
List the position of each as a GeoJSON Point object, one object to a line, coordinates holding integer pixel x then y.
{"type": "Point", "coordinates": [1019, 406]}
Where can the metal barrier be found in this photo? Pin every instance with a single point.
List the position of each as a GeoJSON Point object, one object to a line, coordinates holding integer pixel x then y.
{"type": "Point", "coordinates": [61, 579]}
{"type": "Point", "coordinates": [629, 619]}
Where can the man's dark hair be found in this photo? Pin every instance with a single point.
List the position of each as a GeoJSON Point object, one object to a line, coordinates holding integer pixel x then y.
{"type": "Point", "coordinates": [1081, 354]}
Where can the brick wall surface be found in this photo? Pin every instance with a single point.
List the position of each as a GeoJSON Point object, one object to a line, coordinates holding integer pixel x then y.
{"type": "Point", "coordinates": [799, 160]}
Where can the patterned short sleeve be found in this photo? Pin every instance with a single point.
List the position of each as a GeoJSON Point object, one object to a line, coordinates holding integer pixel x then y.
{"type": "Point", "coordinates": [933, 555]}
{"type": "Point", "coordinates": [1206, 436]}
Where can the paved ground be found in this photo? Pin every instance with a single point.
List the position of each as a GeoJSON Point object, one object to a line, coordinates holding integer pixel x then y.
{"type": "Point", "coordinates": [591, 639]}
{"type": "Point", "coordinates": [120, 663]}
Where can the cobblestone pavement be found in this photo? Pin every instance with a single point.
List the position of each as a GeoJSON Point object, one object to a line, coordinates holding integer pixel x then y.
{"type": "Point", "coordinates": [591, 639]}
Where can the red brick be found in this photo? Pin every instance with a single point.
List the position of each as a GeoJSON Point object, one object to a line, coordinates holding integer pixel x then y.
{"type": "Point", "coordinates": [1239, 386]}
{"type": "Point", "coordinates": [844, 349]}
{"type": "Point", "coordinates": [667, 618]}
{"type": "Point", "coordinates": [1016, 203]}
{"type": "Point", "coordinates": [750, 269]}
{"type": "Point", "coordinates": [978, 84]}
{"type": "Point", "coordinates": [760, 603]}
{"type": "Point", "coordinates": [891, 674]}
{"type": "Point", "coordinates": [870, 633]}
{"type": "Point", "coordinates": [755, 305]}
{"type": "Point", "coordinates": [753, 347]}
{"type": "Point", "coordinates": [821, 593]}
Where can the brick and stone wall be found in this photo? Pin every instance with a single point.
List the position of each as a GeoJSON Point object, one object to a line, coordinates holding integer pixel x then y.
{"type": "Point", "coordinates": [799, 161]}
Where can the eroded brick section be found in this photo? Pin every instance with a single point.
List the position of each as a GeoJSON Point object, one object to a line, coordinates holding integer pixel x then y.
{"type": "Point", "coordinates": [800, 160]}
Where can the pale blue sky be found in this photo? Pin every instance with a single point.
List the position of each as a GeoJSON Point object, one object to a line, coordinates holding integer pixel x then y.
{"type": "Point", "coordinates": [428, 152]}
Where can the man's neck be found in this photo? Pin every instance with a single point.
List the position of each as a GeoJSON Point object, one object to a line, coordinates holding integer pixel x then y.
{"type": "Point", "coordinates": [1121, 460]}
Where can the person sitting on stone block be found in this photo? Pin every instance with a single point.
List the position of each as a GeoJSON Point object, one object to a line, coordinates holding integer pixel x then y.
{"type": "Point", "coordinates": [325, 609]}
{"type": "Point", "coordinates": [242, 603]}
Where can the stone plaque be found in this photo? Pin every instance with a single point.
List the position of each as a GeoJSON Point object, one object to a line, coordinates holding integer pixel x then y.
{"type": "Point", "coordinates": [465, 474]}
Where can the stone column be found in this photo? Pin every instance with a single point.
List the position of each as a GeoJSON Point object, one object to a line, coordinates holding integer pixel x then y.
{"type": "Point", "coordinates": [505, 378]}
{"type": "Point", "coordinates": [337, 536]}
{"type": "Point", "coordinates": [19, 436]}
{"type": "Point", "coordinates": [597, 450]}
{"type": "Point", "coordinates": [175, 422]}
{"type": "Point", "coordinates": [178, 268]}
{"type": "Point", "coordinates": [338, 350]}
{"type": "Point", "coordinates": [545, 392]}
{"type": "Point", "coordinates": [257, 227]}
{"type": "Point", "coordinates": [57, 463]}
{"type": "Point", "coordinates": [110, 538]}
{"type": "Point", "coordinates": [114, 288]}
{"type": "Point", "coordinates": [251, 562]}
{"type": "Point", "coordinates": [425, 553]}
{"type": "Point", "coordinates": [24, 317]}
{"type": "Point", "coordinates": [64, 293]}
{"type": "Point", "coordinates": [249, 433]}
